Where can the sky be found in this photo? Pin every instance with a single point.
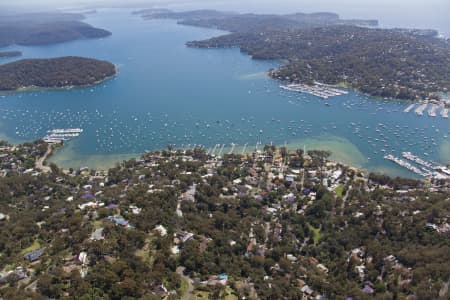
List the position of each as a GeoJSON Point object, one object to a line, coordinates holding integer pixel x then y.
{"type": "Point", "coordinates": [391, 13]}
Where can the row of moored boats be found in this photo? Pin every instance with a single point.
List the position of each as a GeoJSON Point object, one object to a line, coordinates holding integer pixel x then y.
{"type": "Point", "coordinates": [57, 136]}
{"type": "Point", "coordinates": [423, 168]}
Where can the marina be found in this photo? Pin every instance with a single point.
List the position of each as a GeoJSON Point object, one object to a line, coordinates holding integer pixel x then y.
{"type": "Point", "coordinates": [419, 166]}
{"type": "Point", "coordinates": [407, 165]}
{"type": "Point", "coordinates": [318, 89]}
{"type": "Point", "coordinates": [412, 157]}
{"type": "Point", "coordinates": [434, 108]}
{"type": "Point", "coordinates": [441, 172]}
{"type": "Point", "coordinates": [57, 136]}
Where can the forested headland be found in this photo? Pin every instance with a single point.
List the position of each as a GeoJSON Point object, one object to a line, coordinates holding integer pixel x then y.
{"type": "Point", "coordinates": [45, 28]}
{"type": "Point", "coordinates": [54, 72]}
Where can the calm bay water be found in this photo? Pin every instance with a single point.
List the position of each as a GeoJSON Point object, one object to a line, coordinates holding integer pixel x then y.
{"type": "Point", "coordinates": [166, 93]}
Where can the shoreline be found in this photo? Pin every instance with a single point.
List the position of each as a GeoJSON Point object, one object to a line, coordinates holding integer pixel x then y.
{"type": "Point", "coordinates": [106, 161]}
{"type": "Point", "coordinates": [356, 90]}
{"type": "Point", "coordinates": [119, 158]}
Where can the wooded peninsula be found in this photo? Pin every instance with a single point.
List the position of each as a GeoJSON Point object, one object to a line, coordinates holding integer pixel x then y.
{"type": "Point", "coordinates": [393, 63]}
{"type": "Point", "coordinates": [54, 72]}
{"type": "Point", "coordinates": [45, 28]}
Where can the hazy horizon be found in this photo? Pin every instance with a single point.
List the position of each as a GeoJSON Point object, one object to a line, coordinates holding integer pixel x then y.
{"type": "Point", "coordinates": [432, 14]}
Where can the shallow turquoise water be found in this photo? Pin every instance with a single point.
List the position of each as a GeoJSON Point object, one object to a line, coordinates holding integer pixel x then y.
{"type": "Point", "coordinates": [166, 93]}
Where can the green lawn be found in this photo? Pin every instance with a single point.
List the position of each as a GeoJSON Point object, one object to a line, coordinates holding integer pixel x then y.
{"type": "Point", "coordinates": [98, 224]}
{"type": "Point", "coordinates": [316, 233]}
{"type": "Point", "coordinates": [36, 245]}
{"type": "Point", "coordinates": [339, 190]}
{"type": "Point", "coordinates": [184, 286]}
{"type": "Point", "coordinates": [230, 295]}
{"type": "Point", "coordinates": [146, 251]}
{"type": "Point", "coordinates": [9, 267]}
{"type": "Point", "coordinates": [199, 295]}
{"type": "Point", "coordinates": [203, 295]}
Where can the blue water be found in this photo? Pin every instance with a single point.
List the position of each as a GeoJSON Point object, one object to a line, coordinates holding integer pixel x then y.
{"type": "Point", "coordinates": [166, 93]}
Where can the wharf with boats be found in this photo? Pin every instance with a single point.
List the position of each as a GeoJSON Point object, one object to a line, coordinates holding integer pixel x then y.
{"type": "Point", "coordinates": [57, 136]}
{"type": "Point", "coordinates": [407, 165]}
{"type": "Point", "coordinates": [422, 167]}
{"type": "Point", "coordinates": [432, 111]}
{"type": "Point", "coordinates": [318, 89]}
{"type": "Point", "coordinates": [426, 164]}
{"type": "Point", "coordinates": [433, 107]}
{"type": "Point", "coordinates": [421, 108]}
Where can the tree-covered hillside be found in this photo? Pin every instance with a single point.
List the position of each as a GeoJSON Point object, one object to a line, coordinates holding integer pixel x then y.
{"type": "Point", "coordinates": [54, 72]}
{"type": "Point", "coordinates": [45, 28]}
{"type": "Point", "coordinates": [184, 225]}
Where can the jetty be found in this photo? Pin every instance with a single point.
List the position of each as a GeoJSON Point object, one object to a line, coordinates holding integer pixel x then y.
{"type": "Point", "coordinates": [432, 110]}
{"type": "Point", "coordinates": [245, 147]}
{"type": "Point", "coordinates": [213, 150]}
{"type": "Point", "coordinates": [412, 157]}
{"type": "Point", "coordinates": [440, 171]}
{"type": "Point", "coordinates": [409, 108]}
{"type": "Point", "coordinates": [318, 89]}
{"type": "Point", "coordinates": [420, 109]}
{"type": "Point", "coordinates": [221, 149]}
{"type": "Point", "coordinates": [407, 165]}
{"type": "Point", "coordinates": [233, 145]}
{"type": "Point", "coordinates": [68, 130]}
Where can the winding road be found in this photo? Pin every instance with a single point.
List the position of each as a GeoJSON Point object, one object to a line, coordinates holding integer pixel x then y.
{"type": "Point", "coordinates": [40, 162]}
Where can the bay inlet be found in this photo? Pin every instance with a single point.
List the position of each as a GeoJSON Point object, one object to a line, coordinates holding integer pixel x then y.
{"type": "Point", "coordinates": [166, 93]}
